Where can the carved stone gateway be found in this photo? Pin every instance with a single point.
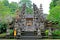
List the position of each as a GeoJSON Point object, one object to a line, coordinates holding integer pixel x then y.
{"type": "Point", "coordinates": [28, 22]}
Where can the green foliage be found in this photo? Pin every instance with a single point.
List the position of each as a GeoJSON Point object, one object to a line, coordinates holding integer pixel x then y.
{"type": "Point", "coordinates": [6, 3]}
{"type": "Point", "coordinates": [11, 31]}
{"type": "Point", "coordinates": [56, 32]}
{"type": "Point", "coordinates": [3, 27]}
{"type": "Point", "coordinates": [4, 10]}
{"type": "Point", "coordinates": [53, 3]}
{"type": "Point", "coordinates": [3, 35]}
{"type": "Point", "coordinates": [29, 10]}
{"type": "Point", "coordinates": [58, 3]}
{"type": "Point", "coordinates": [13, 6]}
{"type": "Point", "coordinates": [46, 32]}
{"type": "Point", "coordinates": [54, 14]}
{"type": "Point", "coordinates": [7, 12]}
{"type": "Point", "coordinates": [28, 3]}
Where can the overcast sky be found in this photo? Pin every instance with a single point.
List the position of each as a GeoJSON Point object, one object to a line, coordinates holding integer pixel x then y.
{"type": "Point", "coordinates": [38, 2]}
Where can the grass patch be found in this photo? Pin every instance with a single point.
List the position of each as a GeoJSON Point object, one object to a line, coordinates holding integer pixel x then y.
{"type": "Point", "coordinates": [3, 35]}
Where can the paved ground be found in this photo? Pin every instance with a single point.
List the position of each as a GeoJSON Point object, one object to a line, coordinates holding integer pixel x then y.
{"type": "Point", "coordinates": [29, 39]}
{"type": "Point", "coordinates": [27, 36]}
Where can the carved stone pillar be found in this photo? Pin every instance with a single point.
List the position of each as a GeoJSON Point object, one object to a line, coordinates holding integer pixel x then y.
{"type": "Point", "coordinates": [39, 32]}
{"type": "Point", "coordinates": [50, 31]}
{"type": "Point", "coordinates": [19, 32]}
{"type": "Point", "coordinates": [42, 26]}
{"type": "Point", "coordinates": [8, 31]}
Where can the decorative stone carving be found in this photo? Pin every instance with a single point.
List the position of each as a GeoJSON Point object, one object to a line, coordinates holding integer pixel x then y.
{"type": "Point", "coordinates": [39, 32]}
{"type": "Point", "coordinates": [8, 31]}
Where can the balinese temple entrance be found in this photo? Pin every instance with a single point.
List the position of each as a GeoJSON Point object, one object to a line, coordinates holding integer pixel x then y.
{"type": "Point", "coordinates": [29, 29]}
{"type": "Point", "coordinates": [29, 24]}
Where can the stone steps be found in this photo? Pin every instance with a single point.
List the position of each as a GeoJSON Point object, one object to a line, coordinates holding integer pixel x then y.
{"type": "Point", "coordinates": [29, 33]}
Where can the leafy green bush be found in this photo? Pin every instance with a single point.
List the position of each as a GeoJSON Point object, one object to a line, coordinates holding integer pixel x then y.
{"type": "Point", "coordinates": [3, 35]}
{"type": "Point", "coordinates": [2, 27]}
{"type": "Point", "coordinates": [46, 32]}
{"type": "Point", "coordinates": [56, 32]}
{"type": "Point", "coordinates": [11, 31]}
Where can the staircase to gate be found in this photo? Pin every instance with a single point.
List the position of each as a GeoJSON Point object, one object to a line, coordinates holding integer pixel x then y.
{"type": "Point", "coordinates": [29, 35]}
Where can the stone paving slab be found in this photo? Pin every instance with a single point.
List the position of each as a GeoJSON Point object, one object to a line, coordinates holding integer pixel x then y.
{"type": "Point", "coordinates": [29, 39]}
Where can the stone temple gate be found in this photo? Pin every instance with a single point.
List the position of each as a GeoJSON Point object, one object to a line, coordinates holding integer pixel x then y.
{"type": "Point", "coordinates": [29, 23]}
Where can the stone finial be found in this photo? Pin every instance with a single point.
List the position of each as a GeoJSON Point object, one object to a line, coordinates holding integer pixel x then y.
{"type": "Point", "coordinates": [24, 5]}
{"type": "Point", "coordinates": [40, 5]}
{"type": "Point", "coordinates": [35, 7]}
{"type": "Point", "coordinates": [23, 8]}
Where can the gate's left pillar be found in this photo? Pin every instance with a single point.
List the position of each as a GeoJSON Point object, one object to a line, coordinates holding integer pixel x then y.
{"type": "Point", "coordinates": [8, 32]}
